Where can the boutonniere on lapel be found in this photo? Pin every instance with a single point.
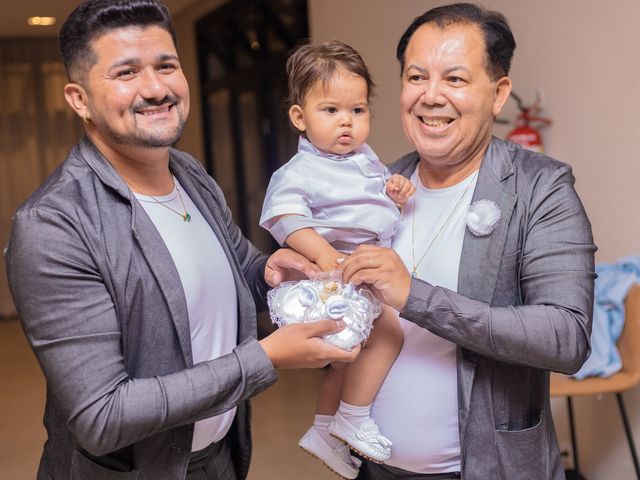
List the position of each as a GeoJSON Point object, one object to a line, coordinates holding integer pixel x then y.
{"type": "Point", "coordinates": [482, 217]}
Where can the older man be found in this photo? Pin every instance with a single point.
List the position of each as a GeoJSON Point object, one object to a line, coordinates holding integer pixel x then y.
{"type": "Point", "coordinates": [136, 290]}
{"type": "Point", "coordinates": [493, 274]}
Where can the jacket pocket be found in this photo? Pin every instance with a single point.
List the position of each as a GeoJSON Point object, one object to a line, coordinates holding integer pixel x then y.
{"type": "Point", "coordinates": [82, 468]}
{"type": "Point", "coordinates": [522, 454]}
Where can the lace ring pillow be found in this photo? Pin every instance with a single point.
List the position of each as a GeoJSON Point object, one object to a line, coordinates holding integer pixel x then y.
{"type": "Point", "coordinates": [326, 296]}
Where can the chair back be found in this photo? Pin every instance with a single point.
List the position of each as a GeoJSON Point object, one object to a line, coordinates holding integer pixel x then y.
{"type": "Point", "coordinates": [629, 342]}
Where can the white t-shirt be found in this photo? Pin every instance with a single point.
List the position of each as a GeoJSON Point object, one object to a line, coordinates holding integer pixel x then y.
{"type": "Point", "coordinates": [417, 406]}
{"type": "Point", "coordinates": [209, 289]}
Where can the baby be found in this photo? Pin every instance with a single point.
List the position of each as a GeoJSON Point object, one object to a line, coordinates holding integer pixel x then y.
{"type": "Point", "coordinates": [332, 196]}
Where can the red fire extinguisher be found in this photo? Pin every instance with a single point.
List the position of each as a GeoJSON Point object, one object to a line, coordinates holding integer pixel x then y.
{"type": "Point", "coordinates": [525, 134]}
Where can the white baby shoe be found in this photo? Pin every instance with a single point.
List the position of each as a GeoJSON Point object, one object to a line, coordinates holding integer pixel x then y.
{"type": "Point", "coordinates": [365, 440]}
{"type": "Point", "coordinates": [338, 459]}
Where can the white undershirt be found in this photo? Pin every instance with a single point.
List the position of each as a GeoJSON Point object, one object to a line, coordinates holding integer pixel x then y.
{"type": "Point", "coordinates": [209, 289]}
{"type": "Point", "coordinates": [417, 406]}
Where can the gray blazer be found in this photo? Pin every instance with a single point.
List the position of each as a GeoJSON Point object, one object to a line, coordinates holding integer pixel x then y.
{"type": "Point", "coordinates": [523, 307]}
{"type": "Point", "coordinates": [102, 305]}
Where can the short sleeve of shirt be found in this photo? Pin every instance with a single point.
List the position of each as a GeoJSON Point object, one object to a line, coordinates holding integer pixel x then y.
{"type": "Point", "coordinates": [288, 193]}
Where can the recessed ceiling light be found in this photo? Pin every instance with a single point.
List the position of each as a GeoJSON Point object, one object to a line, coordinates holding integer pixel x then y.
{"type": "Point", "coordinates": [41, 21]}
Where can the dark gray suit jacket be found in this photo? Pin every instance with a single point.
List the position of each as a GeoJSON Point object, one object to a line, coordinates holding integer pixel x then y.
{"type": "Point", "coordinates": [523, 307]}
{"type": "Point", "coordinates": [102, 305]}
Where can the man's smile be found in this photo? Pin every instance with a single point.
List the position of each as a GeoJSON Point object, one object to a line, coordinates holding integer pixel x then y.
{"type": "Point", "coordinates": [436, 122]}
{"type": "Point", "coordinates": [155, 110]}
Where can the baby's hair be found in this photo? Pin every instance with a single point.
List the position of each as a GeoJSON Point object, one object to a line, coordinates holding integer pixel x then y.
{"type": "Point", "coordinates": [312, 62]}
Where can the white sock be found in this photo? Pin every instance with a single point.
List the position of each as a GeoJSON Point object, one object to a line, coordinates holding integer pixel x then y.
{"type": "Point", "coordinates": [355, 414]}
{"type": "Point", "coordinates": [321, 424]}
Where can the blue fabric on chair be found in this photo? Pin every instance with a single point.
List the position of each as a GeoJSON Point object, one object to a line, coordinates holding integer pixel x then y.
{"type": "Point", "coordinates": [611, 288]}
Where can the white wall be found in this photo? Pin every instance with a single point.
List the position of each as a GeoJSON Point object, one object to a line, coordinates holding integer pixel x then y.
{"type": "Point", "coordinates": [582, 54]}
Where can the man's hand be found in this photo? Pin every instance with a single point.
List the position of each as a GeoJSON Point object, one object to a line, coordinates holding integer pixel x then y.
{"type": "Point", "coordinates": [399, 189]}
{"type": "Point", "coordinates": [300, 346]}
{"type": "Point", "coordinates": [382, 270]}
{"type": "Point", "coordinates": [285, 264]}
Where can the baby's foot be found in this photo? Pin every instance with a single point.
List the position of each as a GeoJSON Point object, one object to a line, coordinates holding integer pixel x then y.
{"type": "Point", "coordinates": [335, 455]}
{"type": "Point", "coordinates": [365, 439]}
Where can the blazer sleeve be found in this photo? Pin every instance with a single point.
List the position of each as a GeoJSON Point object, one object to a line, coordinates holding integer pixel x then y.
{"type": "Point", "coordinates": [550, 328]}
{"type": "Point", "coordinates": [72, 324]}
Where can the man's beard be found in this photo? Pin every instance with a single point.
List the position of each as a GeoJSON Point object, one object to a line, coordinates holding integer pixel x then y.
{"type": "Point", "coordinates": [154, 139]}
{"type": "Point", "coordinates": [148, 139]}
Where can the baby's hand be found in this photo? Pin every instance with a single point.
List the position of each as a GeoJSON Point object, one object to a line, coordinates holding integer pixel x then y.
{"type": "Point", "coordinates": [330, 261]}
{"type": "Point", "coordinates": [399, 189]}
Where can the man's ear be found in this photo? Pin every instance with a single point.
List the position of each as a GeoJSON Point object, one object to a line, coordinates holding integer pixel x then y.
{"type": "Point", "coordinates": [503, 89]}
{"type": "Point", "coordinates": [76, 97]}
{"type": "Point", "coordinates": [296, 115]}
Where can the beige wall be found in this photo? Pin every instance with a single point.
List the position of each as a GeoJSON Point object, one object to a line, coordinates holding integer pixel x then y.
{"type": "Point", "coordinates": [582, 55]}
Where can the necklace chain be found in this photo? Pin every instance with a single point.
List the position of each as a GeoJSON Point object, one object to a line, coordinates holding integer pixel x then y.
{"type": "Point", "coordinates": [414, 271]}
{"type": "Point", "coordinates": [186, 216]}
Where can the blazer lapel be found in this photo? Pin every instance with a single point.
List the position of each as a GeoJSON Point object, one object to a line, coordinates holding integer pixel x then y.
{"type": "Point", "coordinates": [157, 255]}
{"type": "Point", "coordinates": [481, 256]}
{"type": "Point", "coordinates": [152, 246]}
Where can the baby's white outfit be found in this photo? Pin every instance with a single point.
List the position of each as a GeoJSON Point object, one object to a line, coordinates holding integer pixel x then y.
{"type": "Point", "coordinates": [343, 197]}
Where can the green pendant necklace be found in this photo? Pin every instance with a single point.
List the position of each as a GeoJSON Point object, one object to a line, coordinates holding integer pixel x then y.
{"type": "Point", "coordinates": [186, 216]}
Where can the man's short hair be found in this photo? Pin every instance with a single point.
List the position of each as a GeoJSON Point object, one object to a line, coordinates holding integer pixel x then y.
{"type": "Point", "coordinates": [311, 63]}
{"type": "Point", "coordinates": [93, 18]}
{"type": "Point", "coordinates": [498, 39]}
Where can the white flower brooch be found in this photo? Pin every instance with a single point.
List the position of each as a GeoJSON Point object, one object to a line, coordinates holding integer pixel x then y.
{"type": "Point", "coordinates": [482, 217]}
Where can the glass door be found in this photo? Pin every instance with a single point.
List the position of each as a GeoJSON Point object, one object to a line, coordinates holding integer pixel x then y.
{"type": "Point", "coordinates": [242, 50]}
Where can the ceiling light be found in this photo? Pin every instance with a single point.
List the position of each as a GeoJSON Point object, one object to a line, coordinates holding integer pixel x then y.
{"type": "Point", "coordinates": [41, 21]}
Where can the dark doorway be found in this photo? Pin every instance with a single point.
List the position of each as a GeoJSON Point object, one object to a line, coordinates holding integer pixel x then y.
{"type": "Point", "coordinates": [242, 50]}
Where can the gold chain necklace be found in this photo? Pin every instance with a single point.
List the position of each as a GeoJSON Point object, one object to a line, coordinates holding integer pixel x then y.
{"type": "Point", "coordinates": [186, 216]}
{"type": "Point", "coordinates": [414, 270]}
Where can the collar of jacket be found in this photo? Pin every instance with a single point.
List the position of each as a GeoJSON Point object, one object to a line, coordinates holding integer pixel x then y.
{"type": "Point", "coordinates": [108, 174]}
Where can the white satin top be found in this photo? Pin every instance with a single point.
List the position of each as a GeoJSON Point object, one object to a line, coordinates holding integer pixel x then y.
{"type": "Point", "coordinates": [342, 197]}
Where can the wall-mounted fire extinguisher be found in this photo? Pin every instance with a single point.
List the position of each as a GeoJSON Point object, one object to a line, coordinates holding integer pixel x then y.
{"type": "Point", "coordinates": [525, 133]}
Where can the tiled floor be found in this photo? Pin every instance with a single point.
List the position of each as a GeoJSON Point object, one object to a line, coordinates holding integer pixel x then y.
{"type": "Point", "coordinates": [280, 417]}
